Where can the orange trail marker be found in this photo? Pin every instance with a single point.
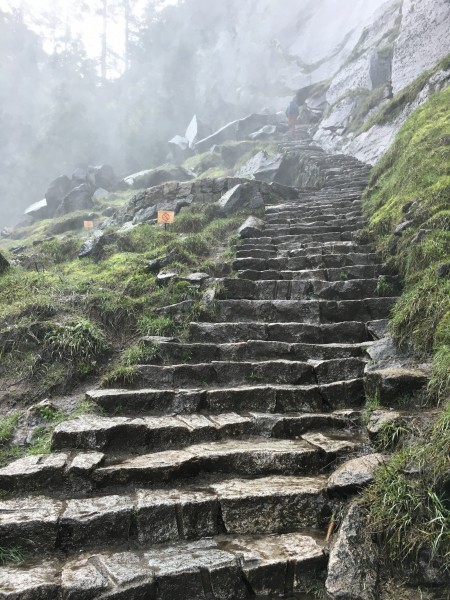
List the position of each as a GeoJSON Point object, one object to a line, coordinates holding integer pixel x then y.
{"type": "Point", "coordinates": [88, 224]}
{"type": "Point", "coordinates": [166, 216]}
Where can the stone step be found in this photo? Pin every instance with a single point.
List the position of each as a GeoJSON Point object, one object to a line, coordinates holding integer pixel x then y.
{"type": "Point", "coordinates": [350, 332]}
{"type": "Point", "coordinates": [300, 263]}
{"type": "Point", "coordinates": [228, 373]}
{"type": "Point", "coordinates": [309, 229]}
{"type": "Point", "coordinates": [315, 221]}
{"type": "Point", "coordinates": [241, 399]}
{"type": "Point", "coordinates": [226, 567]}
{"type": "Point", "coordinates": [294, 250]}
{"type": "Point", "coordinates": [342, 274]}
{"type": "Point", "coordinates": [314, 312]}
{"type": "Point", "coordinates": [154, 434]}
{"type": "Point", "coordinates": [351, 289]}
{"type": "Point", "coordinates": [252, 350]}
{"type": "Point", "coordinates": [309, 454]}
{"type": "Point", "coordinates": [143, 517]}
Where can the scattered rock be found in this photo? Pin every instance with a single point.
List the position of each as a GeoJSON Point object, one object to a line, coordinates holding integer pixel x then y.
{"type": "Point", "coordinates": [379, 418]}
{"type": "Point", "coordinates": [401, 228]}
{"type": "Point", "coordinates": [101, 176]}
{"type": "Point", "coordinates": [157, 264]}
{"type": "Point", "coordinates": [355, 474]}
{"type": "Point", "coordinates": [196, 278]}
{"type": "Point", "coordinates": [165, 276]}
{"type": "Point", "coordinates": [145, 214]}
{"type": "Point", "coordinates": [443, 270]}
{"type": "Point", "coordinates": [109, 211]}
{"type": "Point", "coordinates": [93, 246]}
{"type": "Point", "coordinates": [157, 176]}
{"type": "Point", "coordinates": [37, 210]}
{"type": "Point", "coordinates": [232, 200]}
{"type": "Point", "coordinates": [57, 191]}
{"type": "Point", "coordinates": [252, 227]}
{"type": "Point", "coordinates": [100, 194]}
{"type": "Point", "coordinates": [4, 264]}
{"type": "Point", "coordinates": [79, 198]}
{"type": "Point", "coordinates": [406, 207]}
{"type": "Point", "coordinates": [264, 133]}
{"type": "Point", "coordinates": [353, 564]}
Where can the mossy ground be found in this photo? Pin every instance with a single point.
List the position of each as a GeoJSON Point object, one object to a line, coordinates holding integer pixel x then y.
{"type": "Point", "coordinates": [69, 319]}
{"type": "Point", "coordinates": [410, 500]}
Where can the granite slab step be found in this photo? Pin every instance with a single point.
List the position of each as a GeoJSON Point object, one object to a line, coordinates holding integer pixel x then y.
{"type": "Point", "coordinates": [226, 567]}
{"type": "Point", "coordinates": [143, 517]}
{"type": "Point", "coordinates": [314, 312]}
{"type": "Point", "coordinates": [261, 398]}
{"type": "Point", "coordinates": [340, 274]}
{"type": "Point", "coordinates": [233, 373]}
{"type": "Point", "coordinates": [119, 435]}
{"type": "Point", "coordinates": [248, 458]}
{"type": "Point", "coordinates": [184, 353]}
{"type": "Point", "coordinates": [311, 261]}
{"type": "Point", "coordinates": [298, 289]}
{"type": "Point", "coordinates": [290, 332]}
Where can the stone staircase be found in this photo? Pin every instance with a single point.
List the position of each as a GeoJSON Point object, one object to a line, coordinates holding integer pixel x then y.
{"type": "Point", "coordinates": [209, 480]}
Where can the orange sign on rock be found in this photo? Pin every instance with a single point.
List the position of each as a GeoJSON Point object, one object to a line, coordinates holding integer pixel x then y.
{"type": "Point", "coordinates": [166, 216]}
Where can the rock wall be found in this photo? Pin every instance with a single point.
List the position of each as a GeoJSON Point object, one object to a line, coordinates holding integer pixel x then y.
{"type": "Point", "coordinates": [405, 38]}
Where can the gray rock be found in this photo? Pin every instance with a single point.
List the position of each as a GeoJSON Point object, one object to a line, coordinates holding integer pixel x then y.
{"type": "Point", "coordinates": [92, 246]}
{"type": "Point", "coordinates": [355, 474]}
{"type": "Point", "coordinates": [4, 264]}
{"type": "Point", "coordinates": [57, 191]}
{"type": "Point", "coordinates": [390, 384]}
{"type": "Point", "coordinates": [252, 227]}
{"type": "Point", "coordinates": [157, 264]}
{"type": "Point", "coordinates": [264, 133]}
{"type": "Point", "coordinates": [77, 199]}
{"type": "Point", "coordinates": [145, 214]}
{"type": "Point", "coordinates": [166, 276]}
{"type": "Point", "coordinates": [401, 227]}
{"type": "Point", "coordinates": [353, 564]}
{"type": "Point", "coordinates": [195, 131]}
{"type": "Point", "coordinates": [420, 236]}
{"type": "Point", "coordinates": [196, 277]}
{"type": "Point", "coordinates": [158, 176]}
{"type": "Point", "coordinates": [377, 329]}
{"type": "Point", "coordinates": [109, 211]}
{"type": "Point", "coordinates": [100, 194]}
{"type": "Point", "coordinates": [38, 210]}
{"type": "Point", "coordinates": [380, 418]}
{"type": "Point", "coordinates": [232, 200]}
{"type": "Point", "coordinates": [6, 232]}
{"type": "Point", "coordinates": [79, 176]}
{"type": "Point", "coordinates": [101, 176]}
{"type": "Point", "coordinates": [443, 270]}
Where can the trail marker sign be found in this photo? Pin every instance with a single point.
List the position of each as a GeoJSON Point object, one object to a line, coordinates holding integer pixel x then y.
{"type": "Point", "coordinates": [166, 216]}
{"type": "Point", "coordinates": [89, 224]}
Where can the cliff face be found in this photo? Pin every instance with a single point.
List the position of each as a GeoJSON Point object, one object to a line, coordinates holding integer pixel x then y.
{"type": "Point", "coordinates": [404, 40]}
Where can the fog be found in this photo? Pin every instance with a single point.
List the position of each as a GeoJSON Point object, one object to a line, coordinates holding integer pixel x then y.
{"type": "Point", "coordinates": [111, 81]}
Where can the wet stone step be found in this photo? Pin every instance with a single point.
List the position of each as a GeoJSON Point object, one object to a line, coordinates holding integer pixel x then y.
{"type": "Point", "coordinates": [232, 373]}
{"type": "Point", "coordinates": [341, 274]}
{"type": "Point", "coordinates": [313, 312]}
{"type": "Point", "coordinates": [261, 398]}
{"type": "Point", "coordinates": [249, 458]}
{"type": "Point", "coordinates": [309, 229]}
{"type": "Point", "coordinates": [351, 289]}
{"type": "Point", "coordinates": [351, 332]}
{"type": "Point", "coordinates": [307, 249]}
{"type": "Point", "coordinates": [270, 505]}
{"type": "Point", "coordinates": [183, 353]}
{"type": "Point", "coordinates": [313, 261]}
{"type": "Point", "coordinates": [132, 434]}
{"type": "Point", "coordinates": [225, 567]}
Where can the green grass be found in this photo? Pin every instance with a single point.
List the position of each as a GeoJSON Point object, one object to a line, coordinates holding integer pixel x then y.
{"type": "Point", "coordinates": [409, 501]}
{"type": "Point", "coordinates": [417, 169]}
{"type": "Point", "coordinates": [410, 508]}
{"type": "Point", "coordinates": [13, 555]}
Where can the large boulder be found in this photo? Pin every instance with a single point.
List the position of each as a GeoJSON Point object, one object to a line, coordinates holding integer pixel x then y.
{"type": "Point", "coordinates": [261, 166]}
{"type": "Point", "coordinates": [4, 264]}
{"type": "Point", "coordinates": [57, 191]}
{"type": "Point", "coordinates": [101, 176]}
{"type": "Point", "coordinates": [242, 195]}
{"type": "Point", "coordinates": [79, 198]}
{"type": "Point", "coordinates": [37, 210]}
{"type": "Point", "coordinates": [353, 564]}
{"type": "Point", "coordinates": [196, 130]}
{"type": "Point", "coordinates": [158, 176]}
{"type": "Point", "coordinates": [252, 227]}
{"type": "Point", "coordinates": [355, 474]}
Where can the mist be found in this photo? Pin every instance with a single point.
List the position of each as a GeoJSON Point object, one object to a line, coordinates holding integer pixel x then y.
{"type": "Point", "coordinates": [63, 106]}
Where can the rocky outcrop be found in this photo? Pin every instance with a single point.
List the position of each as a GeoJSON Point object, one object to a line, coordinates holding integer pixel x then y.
{"type": "Point", "coordinates": [4, 264]}
{"type": "Point", "coordinates": [157, 176]}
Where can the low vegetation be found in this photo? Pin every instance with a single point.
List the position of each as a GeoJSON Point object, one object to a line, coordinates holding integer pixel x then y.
{"type": "Point", "coordinates": [68, 319]}
{"type": "Point", "coordinates": [410, 186]}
